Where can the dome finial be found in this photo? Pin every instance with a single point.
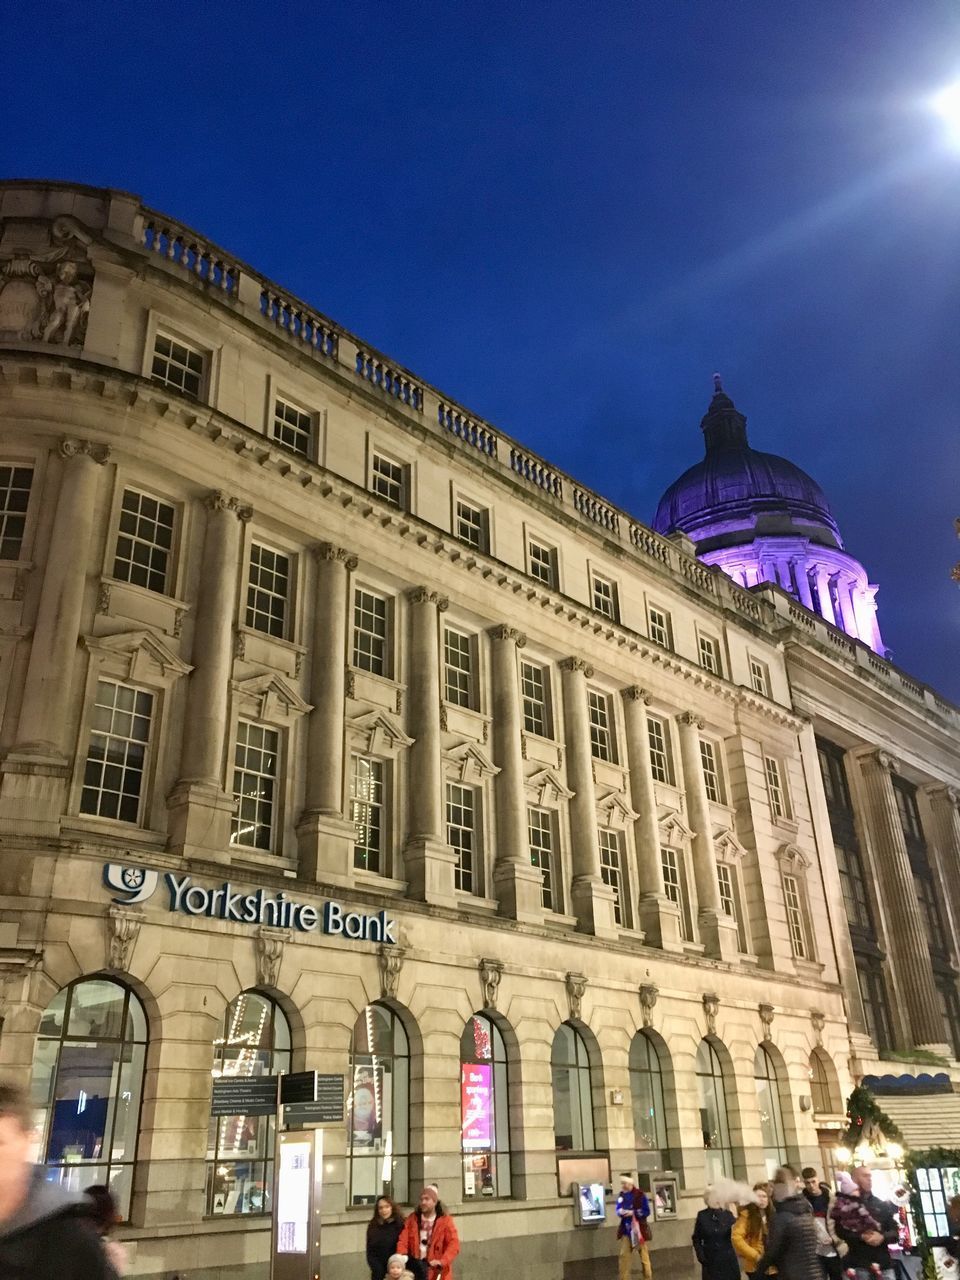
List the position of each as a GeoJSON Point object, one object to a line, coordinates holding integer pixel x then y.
{"type": "Point", "coordinates": [717, 384]}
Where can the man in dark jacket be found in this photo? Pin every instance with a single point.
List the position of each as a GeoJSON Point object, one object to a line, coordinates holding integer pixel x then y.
{"type": "Point", "coordinates": [819, 1196]}
{"type": "Point", "coordinates": [871, 1247]}
{"type": "Point", "coordinates": [792, 1242]}
{"type": "Point", "coordinates": [45, 1234]}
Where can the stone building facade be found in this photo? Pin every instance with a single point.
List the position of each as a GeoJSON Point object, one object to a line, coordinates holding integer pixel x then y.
{"type": "Point", "coordinates": [340, 731]}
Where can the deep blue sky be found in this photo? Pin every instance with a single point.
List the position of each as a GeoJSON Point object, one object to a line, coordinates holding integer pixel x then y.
{"type": "Point", "coordinates": [568, 216]}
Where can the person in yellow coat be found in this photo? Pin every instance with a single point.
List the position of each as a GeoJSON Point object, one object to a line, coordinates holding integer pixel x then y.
{"type": "Point", "coordinates": [749, 1235]}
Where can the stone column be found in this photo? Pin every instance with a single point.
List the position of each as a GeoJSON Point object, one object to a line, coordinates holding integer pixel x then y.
{"type": "Point", "coordinates": [945, 808]}
{"type": "Point", "coordinates": [35, 773]}
{"type": "Point", "coordinates": [908, 942]}
{"type": "Point", "coordinates": [428, 859]}
{"type": "Point", "coordinates": [518, 883]}
{"type": "Point", "coordinates": [848, 616]}
{"type": "Point", "coordinates": [592, 899]}
{"type": "Point", "coordinates": [200, 808]}
{"type": "Point", "coordinates": [659, 917]}
{"type": "Point", "coordinates": [717, 931]}
{"type": "Point", "coordinates": [822, 574]}
{"type": "Point", "coordinates": [324, 835]}
{"type": "Point", "coordinates": [803, 582]}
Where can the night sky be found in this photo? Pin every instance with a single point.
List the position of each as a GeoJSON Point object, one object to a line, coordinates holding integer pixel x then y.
{"type": "Point", "coordinates": [568, 216]}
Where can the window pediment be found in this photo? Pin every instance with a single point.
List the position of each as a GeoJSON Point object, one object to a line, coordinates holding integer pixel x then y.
{"type": "Point", "coordinates": [673, 829]}
{"type": "Point", "coordinates": [726, 844]}
{"type": "Point", "coordinates": [138, 656]}
{"type": "Point", "coordinates": [469, 763]}
{"type": "Point", "coordinates": [270, 697]}
{"type": "Point", "coordinates": [615, 811]}
{"type": "Point", "coordinates": [378, 732]}
{"type": "Point", "coordinates": [792, 858]}
{"type": "Point", "coordinates": [547, 787]}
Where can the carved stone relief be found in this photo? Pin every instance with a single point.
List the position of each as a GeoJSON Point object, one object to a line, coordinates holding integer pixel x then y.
{"type": "Point", "coordinates": [491, 971]}
{"type": "Point", "coordinates": [711, 1007]}
{"type": "Point", "coordinates": [766, 1017]}
{"type": "Point", "coordinates": [122, 929]}
{"type": "Point", "coordinates": [46, 281]}
{"type": "Point", "coordinates": [269, 944]}
{"type": "Point", "coordinates": [649, 991]}
{"type": "Point", "coordinates": [576, 986]}
{"type": "Point", "coordinates": [390, 961]}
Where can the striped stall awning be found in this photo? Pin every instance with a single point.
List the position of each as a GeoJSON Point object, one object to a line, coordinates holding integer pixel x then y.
{"type": "Point", "coordinates": [925, 1120]}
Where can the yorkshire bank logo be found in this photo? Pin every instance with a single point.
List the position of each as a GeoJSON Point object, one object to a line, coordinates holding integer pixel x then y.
{"type": "Point", "coordinates": [131, 885]}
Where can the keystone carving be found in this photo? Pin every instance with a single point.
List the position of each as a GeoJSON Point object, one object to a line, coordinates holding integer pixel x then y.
{"type": "Point", "coordinates": [711, 1007]}
{"type": "Point", "coordinates": [390, 962]}
{"type": "Point", "coordinates": [576, 986]}
{"type": "Point", "coordinates": [819, 1021]}
{"type": "Point", "coordinates": [491, 971]}
{"type": "Point", "coordinates": [46, 281]}
{"type": "Point", "coordinates": [269, 944]}
{"type": "Point", "coordinates": [649, 991]}
{"type": "Point", "coordinates": [766, 1017]}
{"type": "Point", "coordinates": [123, 929]}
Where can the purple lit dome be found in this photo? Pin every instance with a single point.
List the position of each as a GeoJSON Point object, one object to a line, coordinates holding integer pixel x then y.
{"type": "Point", "coordinates": [737, 493]}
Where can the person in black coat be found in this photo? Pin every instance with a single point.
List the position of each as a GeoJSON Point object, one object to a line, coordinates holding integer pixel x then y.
{"type": "Point", "coordinates": [793, 1239]}
{"type": "Point", "coordinates": [711, 1239]}
{"type": "Point", "coordinates": [383, 1232]}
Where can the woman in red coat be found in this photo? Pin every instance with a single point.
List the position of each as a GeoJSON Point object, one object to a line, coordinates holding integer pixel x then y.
{"type": "Point", "coordinates": [429, 1237]}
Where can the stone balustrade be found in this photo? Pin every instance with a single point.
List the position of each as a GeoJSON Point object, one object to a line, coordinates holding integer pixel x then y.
{"type": "Point", "coordinates": [300, 323]}
{"type": "Point", "coordinates": [467, 429]}
{"type": "Point", "coordinates": [184, 249]}
{"type": "Point", "coordinates": [529, 467]}
{"type": "Point", "coordinates": [393, 381]}
{"type": "Point", "coordinates": [596, 509]}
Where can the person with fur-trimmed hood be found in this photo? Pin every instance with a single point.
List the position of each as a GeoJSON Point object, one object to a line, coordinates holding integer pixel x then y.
{"type": "Point", "coordinates": [429, 1238]}
{"type": "Point", "coordinates": [45, 1233]}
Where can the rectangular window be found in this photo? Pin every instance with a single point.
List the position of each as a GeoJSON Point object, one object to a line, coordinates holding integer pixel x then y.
{"type": "Point", "coordinates": [176, 364]}
{"type": "Point", "coordinates": [611, 869]}
{"type": "Point", "coordinates": [268, 590]}
{"type": "Point", "coordinates": [874, 997]}
{"type": "Point", "coordinates": [459, 669]}
{"type": "Point", "coordinates": [370, 650]}
{"type": "Point", "coordinates": [605, 598]}
{"type": "Point", "coordinates": [256, 769]}
{"type": "Point", "coordinates": [472, 525]}
{"type": "Point", "coordinates": [367, 813]}
{"type": "Point", "coordinates": [909, 812]}
{"type": "Point", "coordinates": [15, 483]}
{"type": "Point", "coordinates": [792, 901]}
{"type": "Point", "coordinates": [543, 563]}
{"type": "Point", "coordinates": [936, 934]}
{"type": "Point", "coordinates": [709, 654]}
{"type": "Point", "coordinates": [711, 771]}
{"type": "Point", "coordinates": [660, 762]}
{"type": "Point", "coordinates": [293, 427]}
{"type": "Point", "coordinates": [674, 887]}
{"type": "Point", "coordinates": [388, 479]}
{"type": "Point", "coordinates": [729, 903]}
{"type": "Point", "coordinates": [116, 757]}
{"type": "Point", "coordinates": [602, 743]}
{"type": "Point", "coordinates": [462, 836]}
{"type": "Point", "coordinates": [759, 677]}
{"type": "Point", "coordinates": [660, 627]}
{"type": "Point", "coordinates": [834, 777]}
{"type": "Point", "coordinates": [536, 704]}
{"type": "Point", "coordinates": [540, 828]}
{"type": "Point", "coordinates": [776, 788]}
{"type": "Point", "coordinates": [853, 886]}
{"type": "Point", "coordinates": [144, 541]}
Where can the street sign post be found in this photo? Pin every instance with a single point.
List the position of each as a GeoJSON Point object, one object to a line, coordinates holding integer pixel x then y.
{"type": "Point", "coordinates": [244, 1096]}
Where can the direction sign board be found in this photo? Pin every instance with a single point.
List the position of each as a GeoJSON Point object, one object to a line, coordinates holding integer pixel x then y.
{"type": "Point", "coordinates": [298, 1086]}
{"type": "Point", "coordinates": [244, 1096]}
{"type": "Point", "coordinates": [326, 1109]}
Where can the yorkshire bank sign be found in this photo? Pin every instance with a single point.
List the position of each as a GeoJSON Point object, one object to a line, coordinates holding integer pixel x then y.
{"type": "Point", "coordinates": [241, 906]}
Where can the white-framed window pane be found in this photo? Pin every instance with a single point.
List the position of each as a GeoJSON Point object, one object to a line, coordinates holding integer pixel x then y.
{"type": "Point", "coordinates": [471, 525]}
{"type": "Point", "coordinates": [113, 775]}
{"type": "Point", "coordinates": [255, 774]}
{"type": "Point", "coordinates": [144, 541]}
{"type": "Point", "coordinates": [543, 563]}
{"type": "Point", "coordinates": [759, 677]}
{"type": "Point", "coordinates": [709, 654]}
{"type": "Point", "coordinates": [268, 589]}
{"type": "Point", "coordinates": [178, 365]}
{"type": "Point", "coordinates": [367, 813]}
{"type": "Point", "coordinates": [533, 687]}
{"type": "Point", "coordinates": [462, 836]}
{"type": "Point", "coordinates": [15, 485]}
{"type": "Point", "coordinates": [387, 480]}
{"type": "Point", "coordinates": [611, 869]}
{"type": "Point", "coordinates": [605, 597]}
{"type": "Point", "coordinates": [673, 885]}
{"type": "Point", "coordinates": [792, 901]}
{"type": "Point", "coordinates": [711, 772]}
{"type": "Point", "coordinates": [293, 427]}
{"type": "Point", "coordinates": [775, 787]}
{"type": "Point", "coordinates": [658, 623]}
{"type": "Point", "coordinates": [540, 829]}
{"type": "Point", "coordinates": [459, 681]}
{"type": "Point", "coordinates": [369, 632]}
{"type": "Point", "coordinates": [659, 750]}
{"type": "Point", "coordinates": [728, 898]}
{"type": "Point", "coordinates": [601, 737]}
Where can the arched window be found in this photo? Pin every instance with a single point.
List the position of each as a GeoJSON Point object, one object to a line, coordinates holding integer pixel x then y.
{"type": "Point", "coordinates": [821, 1094]}
{"type": "Point", "coordinates": [378, 1119]}
{"type": "Point", "coordinates": [646, 1095]}
{"type": "Point", "coordinates": [572, 1091]}
{"type": "Point", "coordinates": [712, 1094]}
{"type": "Point", "coordinates": [771, 1113]}
{"type": "Point", "coordinates": [254, 1041]}
{"type": "Point", "coordinates": [484, 1109]}
{"type": "Point", "coordinates": [87, 1083]}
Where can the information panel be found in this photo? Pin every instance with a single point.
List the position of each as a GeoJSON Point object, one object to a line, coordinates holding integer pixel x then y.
{"type": "Point", "coordinates": [244, 1096]}
{"type": "Point", "coordinates": [293, 1197]}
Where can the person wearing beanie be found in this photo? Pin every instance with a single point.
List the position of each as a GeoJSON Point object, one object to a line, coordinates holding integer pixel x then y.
{"type": "Point", "coordinates": [792, 1241]}
{"type": "Point", "coordinates": [397, 1267]}
{"type": "Point", "coordinates": [633, 1212]}
{"type": "Point", "coordinates": [429, 1238]}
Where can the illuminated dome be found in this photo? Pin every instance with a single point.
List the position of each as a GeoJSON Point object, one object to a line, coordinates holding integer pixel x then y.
{"type": "Point", "coordinates": [760, 518]}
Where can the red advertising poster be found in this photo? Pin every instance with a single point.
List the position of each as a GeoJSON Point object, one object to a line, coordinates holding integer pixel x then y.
{"type": "Point", "coordinates": [476, 1105]}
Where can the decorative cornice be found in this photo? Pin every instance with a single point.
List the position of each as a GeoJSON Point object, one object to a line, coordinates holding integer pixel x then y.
{"type": "Point", "coordinates": [327, 551]}
{"type": "Point", "coordinates": [98, 453]}
{"type": "Point", "coordinates": [576, 664]}
{"type": "Point", "coordinates": [503, 632]}
{"type": "Point", "coordinates": [423, 595]}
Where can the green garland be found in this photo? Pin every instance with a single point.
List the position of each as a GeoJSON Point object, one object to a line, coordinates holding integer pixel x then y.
{"type": "Point", "coordinates": [866, 1122]}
